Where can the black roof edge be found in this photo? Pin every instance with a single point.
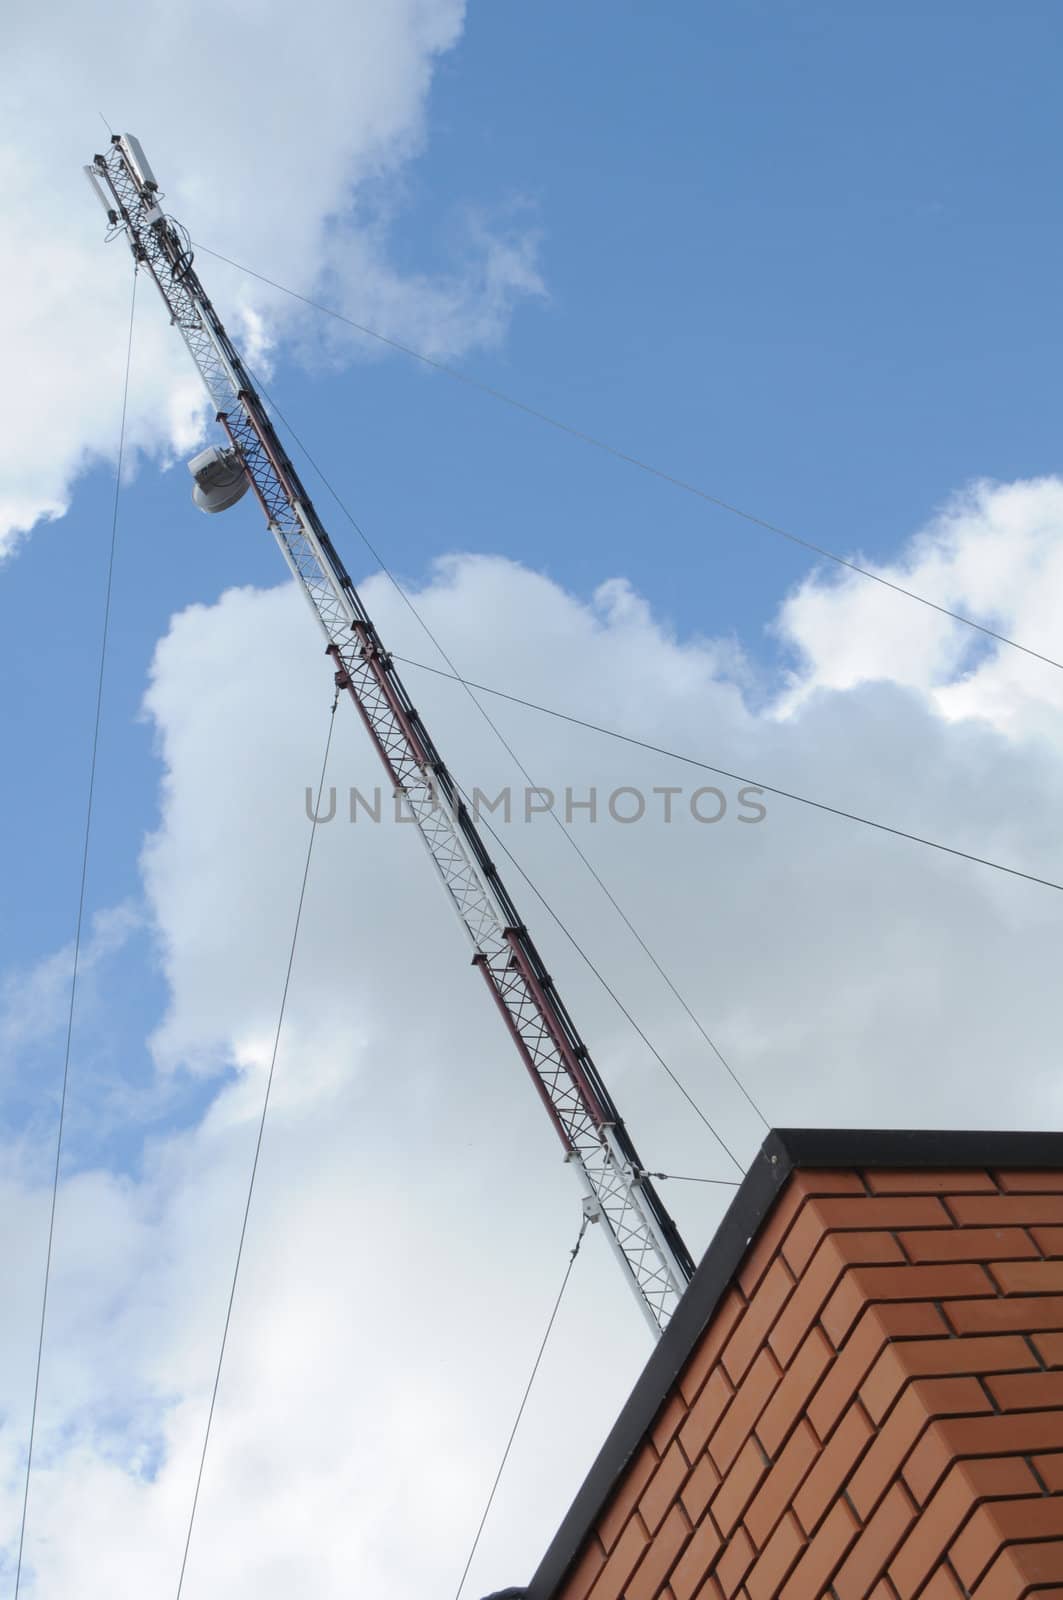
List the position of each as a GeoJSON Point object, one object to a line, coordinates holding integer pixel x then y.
{"type": "Point", "coordinates": [784, 1151]}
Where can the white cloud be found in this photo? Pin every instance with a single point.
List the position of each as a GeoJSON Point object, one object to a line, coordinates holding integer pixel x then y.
{"type": "Point", "coordinates": [34, 1004]}
{"type": "Point", "coordinates": [995, 554]}
{"type": "Point", "coordinates": [413, 1215]}
{"type": "Point", "coordinates": [284, 165]}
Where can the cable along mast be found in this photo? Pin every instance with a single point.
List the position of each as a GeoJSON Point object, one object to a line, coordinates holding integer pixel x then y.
{"type": "Point", "coordinates": [617, 1192]}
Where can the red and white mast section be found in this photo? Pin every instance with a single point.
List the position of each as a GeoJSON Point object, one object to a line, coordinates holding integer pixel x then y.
{"type": "Point", "coordinates": [597, 1146]}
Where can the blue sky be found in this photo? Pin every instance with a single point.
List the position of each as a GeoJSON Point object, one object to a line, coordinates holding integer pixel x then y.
{"type": "Point", "coordinates": [804, 256]}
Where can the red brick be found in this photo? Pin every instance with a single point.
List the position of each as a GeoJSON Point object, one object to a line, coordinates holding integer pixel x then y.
{"type": "Point", "coordinates": [671, 1414]}
{"type": "Point", "coordinates": [581, 1577]}
{"type": "Point", "coordinates": [871, 1553]}
{"type": "Point", "coordinates": [739, 1487]}
{"type": "Point", "coordinates": [990, 1211]}
{"type": "Point", "coordinates": [922, 1358]}
{"type": "Point", "coordinates": [1020, 1568]}
{"type": "Point", "coordinates": [863, 1284]}
{"type": "Point", "coordinates": [776, 1560]}
{"type": "Point", "coordinates": [765, 1245]}
{"type": "Point", "coordinates": [924, 1399]}
{"type": "Point", "coordinates": [753, 1329]}
{"type": "Point", "coordinates": [741, 1415]}
{"type": "Point", "coordinates": [697, 1559]}
{"type": "Point", "coordinates": [968, 1244]}
{"type": "Point", "coordinates": [626, 1497]}
{"type": "Point", "coordinates": [820, 1217]}
{"type": "Point", "coordinates": [877, 1325]}
{"type": "Point", "coordinates": [968, 1483]}
{"type": "Point", "coordinates": [791, 1397]}
{"type": "Point", "coordinates": [1029, 1277]}
{"type": "Point", "coordinates": [772, 1232]}
{"type": "Point", "coordinates": [1049, 1240]}
{"type": "Point", "coordinates": [735, 1562]}
{"type": "Point", "coordinates": [663, 1488]}
{"type": "Point", "coordinates": [1014, 1434]}
{"type": "Point", "coordinates": [927, 1464]}
{"type": "Point", "coordinates": [659, 1559]}
{"type": "Point", "coordinates": [705, 1413]}
{"type": "Point", "coordinates": [699, 1488]}
{"type": "Point", "coordinates": [1050, 1469]}
{"type": "Point", "coordinates": [1020, 1315]}
{"type": "Point", "coordinates": [712, 1342]}
{"type": "Point", "coordinates": [1030, 1182]}
{"type": "Point", "coordinates": [833, 1467]}
{"type": "Point", "coordinates": [1027, 1391]}
{"type": "Point", "coordinates": [943, 1586]}
{"type": "Point", "coordinates": [1038, 1517]}
{"type": "Point", "coordinates": [1003, 1522]}
{"type": "Point", "coordinates": [1049, 1347]}
{"type": "Point", "coordinates": [782, 1483]}
{"type": "Point", "coordinates": [922, 1182]}
{"type": "Point", "coordinates": [834, 1254]}
{"type": "Point", "coordinates": [621, 1561]}
{"type": "Point", "coordinates": [824, 1555]}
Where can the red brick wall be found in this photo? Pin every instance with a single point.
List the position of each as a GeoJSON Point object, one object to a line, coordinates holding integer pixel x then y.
{"type": "Point", "coordinates": [876, 1408]}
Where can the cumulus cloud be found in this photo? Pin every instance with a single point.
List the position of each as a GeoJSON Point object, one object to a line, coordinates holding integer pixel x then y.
{"type": "Point", "coordinates": [993, 553]}
{"type": "Point", "coordinates": [289, 170]}
{"type": "Point", "coordinates": [413, 1215]}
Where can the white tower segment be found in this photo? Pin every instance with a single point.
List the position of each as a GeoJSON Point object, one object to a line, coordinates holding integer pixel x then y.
{"type": "Point", "coordinates": [643, 1236]}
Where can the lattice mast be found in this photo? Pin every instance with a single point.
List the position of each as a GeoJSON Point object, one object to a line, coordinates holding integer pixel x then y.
{"type": "Point", "coordinates": [597, 1146]}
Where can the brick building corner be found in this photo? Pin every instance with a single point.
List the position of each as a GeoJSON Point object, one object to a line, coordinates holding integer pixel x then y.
{"type": "Point", "coordinates": [860, 1395]}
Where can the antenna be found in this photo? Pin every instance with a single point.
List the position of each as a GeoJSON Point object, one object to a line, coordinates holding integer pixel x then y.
{"type": "Point", "coordinates": [617, 1191]}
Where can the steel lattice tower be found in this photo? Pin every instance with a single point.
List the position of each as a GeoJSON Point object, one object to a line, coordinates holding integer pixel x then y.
{"type": "Point", "coordinates": [597, 1146]}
